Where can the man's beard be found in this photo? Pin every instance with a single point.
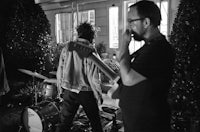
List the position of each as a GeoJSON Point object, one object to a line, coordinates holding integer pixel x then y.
{"type": "Point", "coordinates": [136, 36]}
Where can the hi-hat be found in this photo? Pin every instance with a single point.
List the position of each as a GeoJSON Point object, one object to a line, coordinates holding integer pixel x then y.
{"type": "Point", "coordinates": [34, 74]}
{"type": "Point", "coordinates": [51, 80]}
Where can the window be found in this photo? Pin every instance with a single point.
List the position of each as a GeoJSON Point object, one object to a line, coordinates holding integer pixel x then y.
{"type": "Point", "coordinates": [163, 5]}
{"type": "Point", "coordinates": [65, 26]}
{"type": "Point", "coordinates": [113, 27]}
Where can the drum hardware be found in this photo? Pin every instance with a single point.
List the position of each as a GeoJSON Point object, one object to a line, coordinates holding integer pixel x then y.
{"type": "Point", "coordinates": [20, 128]}
{"type": "Point", "coordinates": [37, 75]}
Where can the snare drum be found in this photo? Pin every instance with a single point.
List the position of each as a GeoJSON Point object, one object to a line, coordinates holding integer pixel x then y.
{"type": "Point", "coordinates": [49, 91]}
{"type": "Point", "coordinates": [40, 118]}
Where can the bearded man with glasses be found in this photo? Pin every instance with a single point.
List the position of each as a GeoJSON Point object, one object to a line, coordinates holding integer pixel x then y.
{"type": "Point", "coordinates": [146, 74]}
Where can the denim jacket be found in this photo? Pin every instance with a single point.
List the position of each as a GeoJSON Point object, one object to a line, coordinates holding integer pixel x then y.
{"type": "Point", "coordinates": [72, 72]}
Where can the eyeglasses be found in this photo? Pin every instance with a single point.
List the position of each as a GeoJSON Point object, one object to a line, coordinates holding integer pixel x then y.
{"type": "Point", "coordinates": [133, 20]}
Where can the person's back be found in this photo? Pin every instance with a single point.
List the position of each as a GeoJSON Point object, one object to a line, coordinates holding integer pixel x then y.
{"type": "Point", "coordinates": [75, 64]}
{"type": "Point", "coordinates": [78, 80]}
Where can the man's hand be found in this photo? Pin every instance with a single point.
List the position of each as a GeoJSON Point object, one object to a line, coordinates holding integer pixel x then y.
{"type": "Point", "coordinates": [126, 38]}
{"type": "Point", "coordinates": [124, 46]}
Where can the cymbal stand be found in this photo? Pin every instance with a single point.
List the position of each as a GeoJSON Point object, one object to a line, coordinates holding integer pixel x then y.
{"type": "Point", "coordinates": [35, 91]}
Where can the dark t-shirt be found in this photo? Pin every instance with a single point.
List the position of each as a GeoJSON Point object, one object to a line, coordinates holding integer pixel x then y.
{"type": "Point", "coordinates": [144, 105]}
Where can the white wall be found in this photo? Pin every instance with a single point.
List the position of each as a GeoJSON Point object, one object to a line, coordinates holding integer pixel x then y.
{"type": "Point", "coordinates": [101, 14]}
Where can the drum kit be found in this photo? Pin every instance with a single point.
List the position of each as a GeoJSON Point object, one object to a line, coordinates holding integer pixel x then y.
{"type": "Point", "coordinates": [49, 89]}
{"type": "Point", "coordinates": [44, 115]}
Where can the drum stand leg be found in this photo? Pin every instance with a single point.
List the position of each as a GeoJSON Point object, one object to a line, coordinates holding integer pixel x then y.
{"type": "Point", "coordinates": [20, 128]}
{"type": "Point", "coordinates": [35, 91]}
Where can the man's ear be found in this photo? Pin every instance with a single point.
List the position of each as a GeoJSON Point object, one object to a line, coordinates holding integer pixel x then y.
{"type": "Point", "coordinates": [147, 22]}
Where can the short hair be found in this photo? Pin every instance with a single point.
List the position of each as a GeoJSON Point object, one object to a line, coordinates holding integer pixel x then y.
{"type": "Point", "coordinates": [150, 10]}
{"type": "Point", "coordinates": [86, 31]}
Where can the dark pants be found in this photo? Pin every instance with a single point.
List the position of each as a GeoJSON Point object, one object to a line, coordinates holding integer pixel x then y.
{"type": "Point", "coordinates": [70, 106]}
{"type": "Point", "coordinates": [143, 111]}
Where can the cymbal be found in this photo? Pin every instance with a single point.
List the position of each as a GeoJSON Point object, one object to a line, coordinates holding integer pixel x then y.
{"type": "Point", "coordinates": [51, 80]}
{"type": "Point", "coordinates": [53, 72]}
{"type": "Point", "coordinates": [34, 74]}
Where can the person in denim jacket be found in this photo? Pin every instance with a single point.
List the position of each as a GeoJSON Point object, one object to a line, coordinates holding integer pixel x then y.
{"type": "Point", "coordinates": [78, 82]}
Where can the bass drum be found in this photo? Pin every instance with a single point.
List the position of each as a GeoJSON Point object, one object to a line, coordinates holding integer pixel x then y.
{"type": "Point", "coordinates": [42, 117]}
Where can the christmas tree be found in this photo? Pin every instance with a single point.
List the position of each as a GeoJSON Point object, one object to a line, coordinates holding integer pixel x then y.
{"type": "Point", "coordinates": [185, 90]}
{"type": "Point", "coordinates": [27, 38]}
